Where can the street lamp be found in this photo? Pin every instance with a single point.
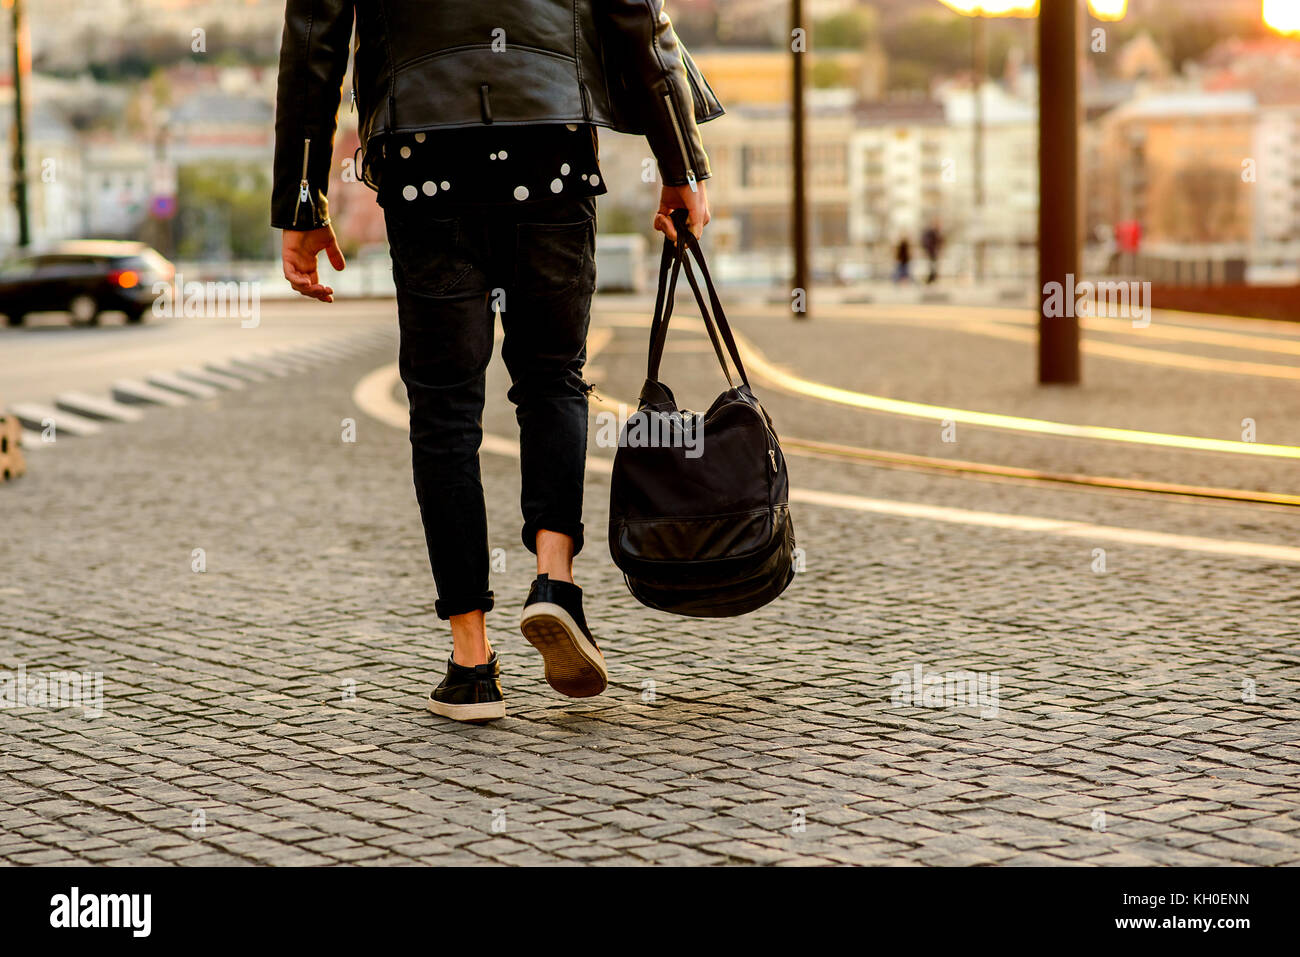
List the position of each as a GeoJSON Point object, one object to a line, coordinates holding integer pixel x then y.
{"type": "Point", "coordinates": [1059, 222]}
{"type": "Point", "coordinates": [21, 65]}
{"type": "Point", "coordinates": [1282, 16]}
{"type": "Point", "coordinates": [977, 10]}
{"type": "Point", "coordinates": [799, 206]}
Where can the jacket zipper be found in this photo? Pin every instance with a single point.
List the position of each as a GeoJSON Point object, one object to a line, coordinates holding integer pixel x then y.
{"type": "Point", "coordinates": [681, 142]}
{"type": "Point", "coordinates": [304, 188]}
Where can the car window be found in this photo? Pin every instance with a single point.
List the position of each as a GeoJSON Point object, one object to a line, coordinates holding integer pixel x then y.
{"type": "Point", "coordinates": [65, 264]}
{"type": "Point", "coordinates": [141, 264]}
{"type": "Point", "coordinates": [19, 269]}
{"type": "Point", "coordinates": [155, 261]}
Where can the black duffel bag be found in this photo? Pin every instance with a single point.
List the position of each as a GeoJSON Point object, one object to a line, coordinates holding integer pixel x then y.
{"type": "Point", "coordinates": [699, 511]}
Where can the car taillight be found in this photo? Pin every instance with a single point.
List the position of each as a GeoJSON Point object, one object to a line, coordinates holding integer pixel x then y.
{"type": "Point", "coordinates": [126, 278]}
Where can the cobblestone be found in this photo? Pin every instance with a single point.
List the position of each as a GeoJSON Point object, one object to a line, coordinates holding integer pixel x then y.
{"type": "Point", "coordinates": [281, 691]}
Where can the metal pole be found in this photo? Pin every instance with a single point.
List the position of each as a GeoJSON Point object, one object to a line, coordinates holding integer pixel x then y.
{"type": "Point", "coordinates": [799, 213]}
{"type": "Point", "coordinates": [20, 122]}
{"type": "Point", "coordinates": [979, 59]}
{"type": "Point", "coordinates": [1059, 222]}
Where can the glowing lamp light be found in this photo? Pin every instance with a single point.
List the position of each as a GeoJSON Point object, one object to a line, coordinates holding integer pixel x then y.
{"type": "Point", "coordinates": [1108, 9]}
{"type": "Point", "coordinates": [993, 8]}
{"type": "Point", "coordinates": [1282, 15]}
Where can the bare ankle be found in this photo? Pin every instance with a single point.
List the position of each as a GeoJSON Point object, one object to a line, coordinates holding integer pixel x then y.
{"type": "Point", "coordinates": [554, 555]}
{"type": "Point", "coordinates": [470, 645]}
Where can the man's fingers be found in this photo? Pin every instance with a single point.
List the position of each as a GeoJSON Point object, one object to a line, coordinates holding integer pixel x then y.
{"type": "Point", "coordinates": [299, 275]}
{"type": "Point", "coordinates": [664, 224]}
{"type": "Point", "coordinates": [335, 255]}
{"type": "Point", "coordinates": [307, 284]}
{"type": "Point", "coordinates": [316, 291]}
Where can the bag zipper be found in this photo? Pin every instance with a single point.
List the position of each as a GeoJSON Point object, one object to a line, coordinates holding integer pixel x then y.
{"type": "Point", "coordinates": [304, 188]}
{"type": "Point", "coordinates": [681, 142]}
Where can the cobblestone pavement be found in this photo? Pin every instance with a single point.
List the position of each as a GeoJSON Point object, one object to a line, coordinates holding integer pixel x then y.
{"type": "Point", "coordinates": [270, 709]}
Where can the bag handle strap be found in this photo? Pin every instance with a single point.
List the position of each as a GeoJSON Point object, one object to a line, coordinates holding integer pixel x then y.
{"type": "Point", "coordinates": [719, 316]}
{"type": "Point", "coordinates": [669, 265]}
{"type": "Point", "coordinates": [674, 258]}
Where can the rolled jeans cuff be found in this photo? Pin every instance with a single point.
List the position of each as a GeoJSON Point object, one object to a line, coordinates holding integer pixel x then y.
{"type": "Point", "coordinates": [572, 529]}
{"type": "Point", "coordinates": [446, 607]}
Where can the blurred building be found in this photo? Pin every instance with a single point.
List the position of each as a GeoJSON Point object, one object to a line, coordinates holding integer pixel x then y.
{"type": "Point", "coordinates": [900, 153]}
{"type": "Point", "coordinates": [53, 173]}
{"type": "Point", "coordinates": [762, 77]}
{"type": "Point", "coordinates": [1174, 162]}
{"type": "Point", "coordinates": [749, 149]}
{"type": "Point", "coordinates": [116, 187]}
{"type": "Point", "coordinates": [70, 33]}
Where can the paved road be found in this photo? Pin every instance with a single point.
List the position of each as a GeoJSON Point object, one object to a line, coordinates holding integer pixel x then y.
{"type": "Point", "coordinates": [269, 709]}
{"type": "Point", "coordinates": [56, 356]}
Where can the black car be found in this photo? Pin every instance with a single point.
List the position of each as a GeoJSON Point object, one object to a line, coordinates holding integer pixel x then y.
{"type": "Point", "coordinates": [84, 278]}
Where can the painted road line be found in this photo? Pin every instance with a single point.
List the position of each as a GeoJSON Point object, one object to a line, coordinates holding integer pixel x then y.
{"type": "Point", "coordinates": [1016, 330]}
{"type": "Point", "coordinates": [331, 352]}
{"type": "Point", "coordinates": [243, 373]}
{"type": "Point", "coordinates": [758, 364]}
{"type": "Point", "coordinates": [1174, 333]}
{"type": "Point", "coordinates": [1150, 356]}
{"type": "Point", "coordinates": [186, 387]}
{"type": "Point", "coordinates": [37, 416]}
{"type": "Point", "coordinates": [1160, 327]}
{"type": "Point", "coordinates": [259, 363]}
{"type": "Point", "coordinates": [136, 392]}
{"type": "Point", "coordinates": [374, 395]}
{"type": "Point", "coordinates": [1189, 326]}
{"type": "Point", "coordinates": [317, 354]}
{"type": "Point", "coordinates": [1048, 526]}
{"type": "Point", "coordinates": [811, 448]}
{"type": "Point", "coordinates": [287, 359]}
{"type": "Point", "coordinates": [207, 377]}
{"type": "Point", "coordinates": [101, 409]}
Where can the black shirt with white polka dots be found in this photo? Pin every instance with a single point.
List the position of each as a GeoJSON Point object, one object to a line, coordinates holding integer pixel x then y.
{"type": "Point", "coordinates": [490, 164]}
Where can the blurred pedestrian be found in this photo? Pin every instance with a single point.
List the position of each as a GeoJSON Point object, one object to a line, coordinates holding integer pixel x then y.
{"type": "Point", "coordinates": [932, 242]}
{"type": "Point", "coordinates": [483, 153]}
{"type": "Point", "coordinates": [903, 261]}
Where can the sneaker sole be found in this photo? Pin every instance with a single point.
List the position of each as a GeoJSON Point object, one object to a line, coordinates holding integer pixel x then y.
{"type": "Point", "coordinates": [469, 713]}
{"type": "Point", "coordinates": [574, 666]}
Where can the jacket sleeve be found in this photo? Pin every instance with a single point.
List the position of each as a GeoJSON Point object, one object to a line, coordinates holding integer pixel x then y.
{"type": "Point", "coordinates": [657, 88]}
{"type": "Point", "coordinates": [313, 59]}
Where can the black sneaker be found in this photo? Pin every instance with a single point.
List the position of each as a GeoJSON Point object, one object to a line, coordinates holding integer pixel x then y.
{"type": "Point", "coordinates": [553, 623]}
{"type": "Point", "coordinates": [470, 694]}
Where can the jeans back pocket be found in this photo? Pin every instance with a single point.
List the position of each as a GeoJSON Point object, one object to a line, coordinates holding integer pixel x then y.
{"type": "Point", "coordinates": [428, 257]}
{"type": "Point", "coordinates": [553, 258]}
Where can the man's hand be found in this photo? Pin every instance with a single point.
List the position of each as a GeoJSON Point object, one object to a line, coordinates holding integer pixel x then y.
{"type": "Point", "coordinates": [298, 249]}
{"type": "Point", "coordinates": [681, 197]}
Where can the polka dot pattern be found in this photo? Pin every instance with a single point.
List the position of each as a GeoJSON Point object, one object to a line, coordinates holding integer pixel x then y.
{"type": "Point", "coordinates": [491, 164]}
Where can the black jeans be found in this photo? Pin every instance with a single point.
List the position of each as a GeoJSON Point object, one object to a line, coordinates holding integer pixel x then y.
{"type": "Point", "coordinates": [536, 261]}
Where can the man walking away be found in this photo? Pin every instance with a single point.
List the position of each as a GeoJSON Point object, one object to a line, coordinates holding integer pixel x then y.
{"type": "Point", "coordinates": [477, 122]}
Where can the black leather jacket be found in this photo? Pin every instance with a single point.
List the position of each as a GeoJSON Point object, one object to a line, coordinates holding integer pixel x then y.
{"type": "Point", "coordinates": [435, 64]}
